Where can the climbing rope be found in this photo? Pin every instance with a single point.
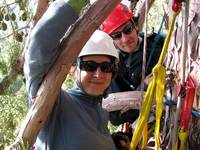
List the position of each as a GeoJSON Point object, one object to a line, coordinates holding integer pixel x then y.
{"type": "Point", "coordinates": [144, 47]}
{"type": "Point", "coordinates": [155, 89]}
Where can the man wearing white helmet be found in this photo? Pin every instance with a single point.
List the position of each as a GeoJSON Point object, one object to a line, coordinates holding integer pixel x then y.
{"type": "Point", "coordinates": [77, 120]}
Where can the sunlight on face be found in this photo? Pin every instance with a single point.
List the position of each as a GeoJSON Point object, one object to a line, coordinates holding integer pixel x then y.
{"type": "Point", "coordinates": [95, 83]}
{"type": "Point", "coordinates": [128, 42]}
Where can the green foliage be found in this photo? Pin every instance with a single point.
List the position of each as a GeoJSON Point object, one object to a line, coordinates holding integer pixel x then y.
{"type": "Point", "coordinates": [155, 16]}
{"type": "Point", "coordinates": [13, 99]}
{"type": "Point", "coordinates": [9, 55]}
{"type": "Point", "coordinates": [14, 18]}
{"type": "Point", "coordinates": [113, 128]}
{"type": "Point", "coordinates": [68, 83]}
{"type": "Point", "coordinates": [13, 108]}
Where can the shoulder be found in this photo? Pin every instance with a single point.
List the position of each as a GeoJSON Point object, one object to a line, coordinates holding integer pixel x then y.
{"type": "Point", "coordinates": [153, 36]}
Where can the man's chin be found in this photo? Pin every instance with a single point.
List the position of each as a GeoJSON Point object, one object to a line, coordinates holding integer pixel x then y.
{"type": "Point", "coordinates": [128, 50]}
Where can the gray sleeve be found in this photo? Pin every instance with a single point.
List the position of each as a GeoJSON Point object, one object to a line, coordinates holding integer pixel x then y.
{"type": "Point", "coordinates": [43, 43]}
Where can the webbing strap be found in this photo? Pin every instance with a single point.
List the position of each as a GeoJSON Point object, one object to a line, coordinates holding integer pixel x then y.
{"type": "Point", "coordinates": [160, 89]}
{"type": "Point", "coordinates": [144, 135]}
{"type": "Point", "coordinates": [144, 113]}
{"type": "Point", "coordinates": [155, 89]}
{"type": "Point", "coordinates": [183, 137]}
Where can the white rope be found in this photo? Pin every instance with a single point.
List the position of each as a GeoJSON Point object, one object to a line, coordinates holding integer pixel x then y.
{"type": "Point", "coordinates": [144, 47]}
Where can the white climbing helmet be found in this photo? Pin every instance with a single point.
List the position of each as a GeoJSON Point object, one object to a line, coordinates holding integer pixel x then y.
{"type": "Point", "coordinates": [100, 43]}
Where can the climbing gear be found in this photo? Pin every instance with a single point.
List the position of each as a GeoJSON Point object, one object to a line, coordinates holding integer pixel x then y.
{"type": "Point", "coordinates": [144, 48]}
{"type": "Point", "coordinates": [91, 66]}
{"type": "Point", "coordinates": [100, 43]}
{"type": "Point", "coordinates": [186, 111]}
{"type": "Point", "coordinates": [126, 30]}
{"type": "Point", "coordinates": [120, 15]}
{"type": "Point", "coordinates": [176, 8]}
{"type": "Point", "coordinates": [155, 89]}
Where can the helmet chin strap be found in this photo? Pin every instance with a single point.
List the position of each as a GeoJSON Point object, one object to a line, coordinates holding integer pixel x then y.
{"type": "Point", "coordinates": [78, 76]}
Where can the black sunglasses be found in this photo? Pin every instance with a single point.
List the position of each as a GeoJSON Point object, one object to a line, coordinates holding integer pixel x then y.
{"type": "Point", "coordinates": [92, 66]}
{"type": "Point", "coordinates": [126, 30]}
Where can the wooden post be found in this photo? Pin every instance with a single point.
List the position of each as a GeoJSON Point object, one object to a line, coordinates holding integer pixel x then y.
{"type": "Point", "coordinates": [51, 85]}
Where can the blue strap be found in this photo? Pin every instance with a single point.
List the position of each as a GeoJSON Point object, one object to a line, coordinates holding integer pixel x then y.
{"type": "Point", "coordinates": [169, 102]}
{"type": "Point", "coordinates": [196, 113]}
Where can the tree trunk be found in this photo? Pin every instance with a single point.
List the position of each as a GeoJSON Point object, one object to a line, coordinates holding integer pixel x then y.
{"type": "Point", "coordinates": [192, 66]}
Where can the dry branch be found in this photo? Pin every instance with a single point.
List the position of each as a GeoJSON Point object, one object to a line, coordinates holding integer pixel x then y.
{"type": "Point", "coordinates": [123, 101]}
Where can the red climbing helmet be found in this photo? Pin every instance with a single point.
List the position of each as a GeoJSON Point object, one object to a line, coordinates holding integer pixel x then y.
{"type": "Point", "coordinates": [120, 15]}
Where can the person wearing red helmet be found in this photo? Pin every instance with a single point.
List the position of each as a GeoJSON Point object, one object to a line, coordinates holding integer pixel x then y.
{"type": "Point", "coordinates": [120, 25]}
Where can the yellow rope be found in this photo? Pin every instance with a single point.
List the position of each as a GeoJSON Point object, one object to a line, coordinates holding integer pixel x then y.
{"type": "Point", "coordinates": [183, 138]}
{"type": "Point", "coordinates": [144, 135]}
{"type": "Point", "coordinates": [154, 90]}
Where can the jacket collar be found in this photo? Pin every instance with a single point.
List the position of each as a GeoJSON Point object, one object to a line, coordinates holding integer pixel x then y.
{"type": "Point", "coordinates": [80, 95]}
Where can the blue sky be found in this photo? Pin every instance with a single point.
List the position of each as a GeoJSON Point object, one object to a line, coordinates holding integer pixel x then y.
{"type": "Point", "coordinates": [126, 2]}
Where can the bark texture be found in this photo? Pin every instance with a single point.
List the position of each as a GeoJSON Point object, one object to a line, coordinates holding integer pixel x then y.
{"type": "Point", "coordinates": [192, 66]}
{"type": "Point", "coordinates": [123, 101]}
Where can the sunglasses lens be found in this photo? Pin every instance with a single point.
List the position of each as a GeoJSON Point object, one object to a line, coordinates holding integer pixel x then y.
{"type": "Point", "coordinates": [107, 67]}
{"type": "Point", "coordinates": [88, 66]}
{"type": "Point", "coordinates": [116, 35]}
{"type": "Point", "coordinates": [92, 66]}
{"type": "Point", "coordinates": [128, 29]}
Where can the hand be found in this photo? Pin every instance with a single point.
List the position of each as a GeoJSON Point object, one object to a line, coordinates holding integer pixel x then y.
{"type": "Point", "coordinates": [148, 79]}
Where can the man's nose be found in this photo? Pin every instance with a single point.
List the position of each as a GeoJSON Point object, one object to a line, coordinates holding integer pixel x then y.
{"type": "Point", "coordinates": [98, 73]}
{"type": "Point", "coordinates": [125, 37]}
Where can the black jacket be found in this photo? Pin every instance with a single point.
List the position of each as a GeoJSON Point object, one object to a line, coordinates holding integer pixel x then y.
{"type": "Point", "coordinates": [130, 73]}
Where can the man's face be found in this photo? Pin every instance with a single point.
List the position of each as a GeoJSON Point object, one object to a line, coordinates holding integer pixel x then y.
{"type": "Point", "coordinates": [97, 81]}
{"type": "Point", "coordinates": [125, 37]}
